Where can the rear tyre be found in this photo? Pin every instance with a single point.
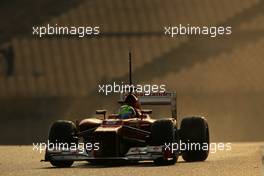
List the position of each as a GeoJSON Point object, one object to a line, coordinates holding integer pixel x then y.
{"type": "Point", "coordinates": [194, 132]}
{"type": "Point", "coordinates": [62, 131]}
{"type": "Point", "coordinates": [164, 131]}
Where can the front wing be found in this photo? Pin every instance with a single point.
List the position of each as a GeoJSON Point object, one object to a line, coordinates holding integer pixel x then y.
{"type": "Point", "coordinates": [133, 154]}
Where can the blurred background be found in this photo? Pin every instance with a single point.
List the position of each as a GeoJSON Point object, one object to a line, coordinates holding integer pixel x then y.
{"type": "Point", "coordinates": [45, 79]}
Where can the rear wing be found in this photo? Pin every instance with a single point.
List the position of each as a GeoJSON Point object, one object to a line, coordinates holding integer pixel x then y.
{"type": "Point", "coordinates": [163, 98]}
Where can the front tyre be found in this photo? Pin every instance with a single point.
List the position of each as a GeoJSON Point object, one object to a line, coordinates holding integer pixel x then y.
{"type": "Point", "coordinates": [164, 131]}
{"type": "Point", "coordinates": [61, 163]}
{"type": "Point", "coordinates": [194, 134]}
{"type": "Point", "coordinates": [62, 131]}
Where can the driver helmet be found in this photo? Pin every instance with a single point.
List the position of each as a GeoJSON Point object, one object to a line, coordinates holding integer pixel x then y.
{"type": "Point", "coordinates": [126, 112]}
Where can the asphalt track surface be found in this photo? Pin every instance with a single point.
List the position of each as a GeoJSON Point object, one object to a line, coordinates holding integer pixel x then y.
{"type": "Point", "coordinates": [243, 159]}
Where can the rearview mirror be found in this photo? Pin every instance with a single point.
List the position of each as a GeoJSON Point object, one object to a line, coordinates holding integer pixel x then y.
{"type": "Point", "coordinates": [101, 111]}
{"type": "Point", "coordinates": [146, 111]}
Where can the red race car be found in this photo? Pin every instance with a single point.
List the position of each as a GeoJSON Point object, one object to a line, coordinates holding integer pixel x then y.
{"type": "Point", "coordinates": [130, 135]}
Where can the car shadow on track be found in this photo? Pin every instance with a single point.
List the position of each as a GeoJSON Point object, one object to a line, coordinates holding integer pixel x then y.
{"type": "Point", "coordinates": [86, 165]}
{"type": "Point", "coordinates": [108, 165]}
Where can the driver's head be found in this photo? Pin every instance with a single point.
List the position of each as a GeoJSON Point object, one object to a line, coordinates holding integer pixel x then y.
{"type": "Point", "coordinates": [132, 100]}
{"type": "Point", "coordinates": [126, 112]}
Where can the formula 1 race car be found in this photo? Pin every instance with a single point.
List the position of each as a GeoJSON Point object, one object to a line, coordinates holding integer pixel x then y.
{"type": "Point", "coordinates": [135, 137]}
